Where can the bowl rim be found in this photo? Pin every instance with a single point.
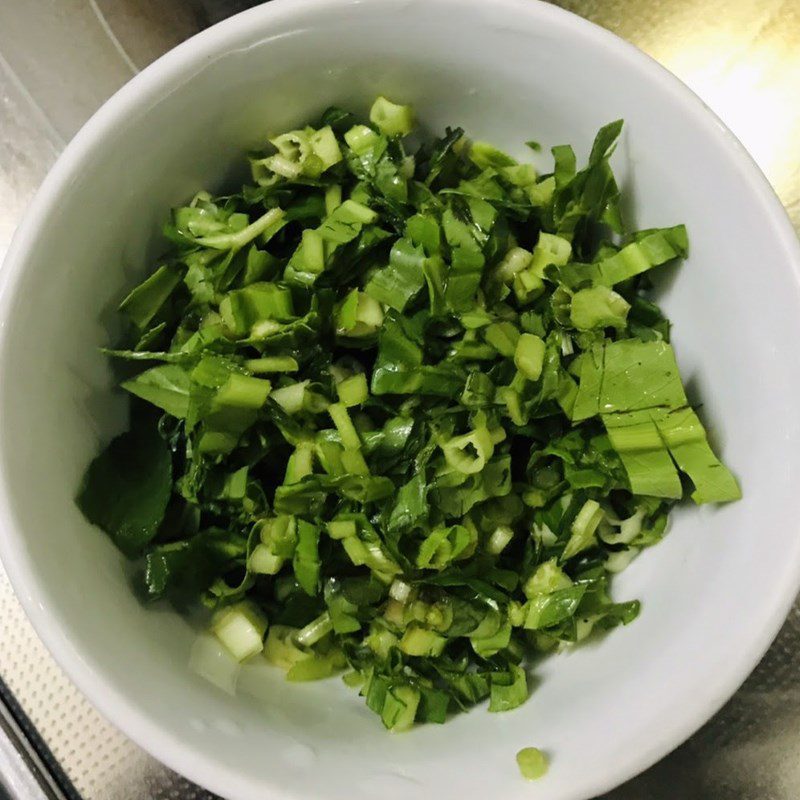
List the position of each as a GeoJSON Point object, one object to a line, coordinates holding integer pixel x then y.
{"type": "Point", "coordinates": [122, 710]}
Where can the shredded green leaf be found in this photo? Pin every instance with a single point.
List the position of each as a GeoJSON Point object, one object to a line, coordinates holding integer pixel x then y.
{"type": "Point", "coordinates": [402, 413]}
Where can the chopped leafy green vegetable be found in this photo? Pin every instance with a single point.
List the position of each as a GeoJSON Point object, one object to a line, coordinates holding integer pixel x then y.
{"type": "Point", "coordinates": [127, 487]}
{"type": "Point", "coordinates": [401, 412]}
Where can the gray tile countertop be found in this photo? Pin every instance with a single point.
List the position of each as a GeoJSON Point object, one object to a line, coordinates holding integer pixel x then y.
{"type": "Point", "coordinates": [60, 59]}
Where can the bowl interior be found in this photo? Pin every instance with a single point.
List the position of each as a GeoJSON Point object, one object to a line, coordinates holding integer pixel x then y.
{"type": "Point", "coordinates": [713, 592]}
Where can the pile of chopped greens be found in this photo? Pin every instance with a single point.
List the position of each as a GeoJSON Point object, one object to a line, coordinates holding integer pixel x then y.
{"type": "Point", "coordinates": [401, 414]}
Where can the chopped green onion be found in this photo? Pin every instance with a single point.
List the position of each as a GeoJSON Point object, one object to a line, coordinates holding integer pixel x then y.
{"type": "Point", "coordinates": [211, 660]}
{"type": "Point", "coordinates": [264, 562]}
{"type": "Point", "coordinates": [529, 355]}
{"type": "Point", "coordinates": [333, 198]}
{"type": "Point", "coordinates": [470, 452]}
{"type": "Point", "coordinates": [267, 364]}
{"type": "Point", "coordinates": [418, 641]}
{"type": "Point", "coordinates": [341, 529]}
{"type": "Point", "coordinates": [241, 629]}
{"type": "Point", "coordinates": [325, 147]}
{"type": "Point", "coordinates": [503, 336]}
{"type": "Point", "coordinates": [242, 391]}
{"type": "Point", "coordinates": [532, 763]}
{"type": "Point", "coordinates": [281, 647]}
{"type": "Point", "coordinates": [341, 419]}
{"type": "Point", "coordinates": [508, 690]}
{"type": "Point", "coordinates": [547, 578]}
{"type": "Point", "coordinates": [390, 118]}
{"type": "Point", "coordinates": [300, 463]}
{"type": "Point", "coordinates": [235, 241]}
{"type": "Point", "coordinates": [353, 391]}
{"type": "Point", "coordinates": [314, 631]}
{"type": "Point", "coordinates": [291, 398]}
{"type": "Point", "coordinates": [400, 708]}
{"type": "Point", "coordinates": [582, 530]}
{"type": "Point", "coordinates": [316, 667]}
{"type": "Point", "coordinates": [499, 540]}
{"type": "Point", "coordinates": [514, 261]}
{"type": "Point", "coordinates": [400, 591]}
{"type": "Point", "coordinates": [598, 307]}
{"type": "Point", "coordinates": [360, 138]}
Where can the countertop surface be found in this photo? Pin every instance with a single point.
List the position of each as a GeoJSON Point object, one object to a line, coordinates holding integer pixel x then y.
{"type": "Point", "coordinates": [60, 59]}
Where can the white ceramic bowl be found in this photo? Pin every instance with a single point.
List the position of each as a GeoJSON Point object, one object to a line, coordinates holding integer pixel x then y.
{"type": "Point", "coordinates": [714, 592]}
